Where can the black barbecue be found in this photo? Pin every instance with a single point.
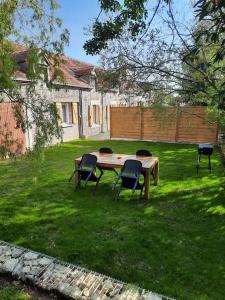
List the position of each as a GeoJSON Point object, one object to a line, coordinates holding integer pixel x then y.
{"type": "Point", "coordinates": [207, 150]}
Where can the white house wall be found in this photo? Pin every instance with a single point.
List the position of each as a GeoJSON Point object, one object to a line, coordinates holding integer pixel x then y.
{"type": "Point", "coordinates": [66, 95]}
{"type": "Point", "coordinates": [84, 97]}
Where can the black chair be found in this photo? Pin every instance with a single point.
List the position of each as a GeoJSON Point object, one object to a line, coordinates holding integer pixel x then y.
{"type": "Point", "coordinates": [107, 150]}
{"type": "Point", "coordinates": [207, 150]}
{"type": "Point", "coordinates": [87, 171]}
{"type": "Point", "coordinates": [145, 153]}
{"type": "Point", "coordinates": [129, 176]}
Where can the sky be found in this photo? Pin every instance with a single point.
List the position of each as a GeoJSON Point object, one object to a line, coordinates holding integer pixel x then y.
{"type": "Point", "coordinates": [76, 15]}
{"type": "Point", "coordinates": [79, 14]}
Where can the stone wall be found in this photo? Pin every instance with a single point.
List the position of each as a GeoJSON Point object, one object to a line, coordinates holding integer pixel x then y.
{"type": "Point", "coordinates": [71, 281]}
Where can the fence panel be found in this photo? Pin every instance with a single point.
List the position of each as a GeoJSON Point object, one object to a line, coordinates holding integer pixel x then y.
{"type": "Point", "coordinates": [159, 124]}
{"type": "Point", "coordinates": [125, 122]}
{"type": "Point", "coordinates": [193, 126]}
{"type": "Point", "coordinates": [186, 124]}
{"type": "Point", "coordinates": [11, 137]}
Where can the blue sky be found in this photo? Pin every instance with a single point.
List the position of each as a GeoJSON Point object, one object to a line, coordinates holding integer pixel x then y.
{"type": "Point", "coordinates": [78, 14]}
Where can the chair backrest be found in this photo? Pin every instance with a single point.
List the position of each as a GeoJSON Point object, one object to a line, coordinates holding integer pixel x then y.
{"type": "Point", "coordinates": [132, 166]}
{"type": "Point", "coordinates": [105, 150]}
{"type": "Point", "coordinates": [88, 161]}
{"type": "Point", "coordinates": [143, 152]}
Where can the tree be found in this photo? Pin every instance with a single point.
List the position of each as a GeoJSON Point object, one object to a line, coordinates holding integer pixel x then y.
{"type": "Point", "coordinates": [213, 12]}
{"type": "Point", "coordinates": [177, 63]}
{"type": "Point", "coordinates": [32, 23]}
{"type": "Point", "coordinates": [132, 14]}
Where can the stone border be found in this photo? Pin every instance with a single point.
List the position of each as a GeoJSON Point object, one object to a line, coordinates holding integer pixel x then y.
{"type": "Point", "coordinates": [69, 280]}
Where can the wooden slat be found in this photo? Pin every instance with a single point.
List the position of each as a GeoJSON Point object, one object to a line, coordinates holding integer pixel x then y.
{"type": "Point", "coordinates": [10, 135]}
{"type": "Point", "coordinates": [187, 124]}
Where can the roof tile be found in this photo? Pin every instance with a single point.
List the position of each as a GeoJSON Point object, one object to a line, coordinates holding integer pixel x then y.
{"type": "Point", "coordinates": [71, 69]}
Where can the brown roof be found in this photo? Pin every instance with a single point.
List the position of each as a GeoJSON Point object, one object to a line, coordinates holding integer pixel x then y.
{"type": "Point", "coordinates": [21, 56]}
{"type": "Point", "coordinates": [72, 70]}
{"type": "Point", "coordinates": [82, 71]}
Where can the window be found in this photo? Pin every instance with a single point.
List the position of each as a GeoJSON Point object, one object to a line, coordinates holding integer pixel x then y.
{"type": "Point", "coordinates": [67, 113]}
{"type": "Point", "coordinates": [96, 114]}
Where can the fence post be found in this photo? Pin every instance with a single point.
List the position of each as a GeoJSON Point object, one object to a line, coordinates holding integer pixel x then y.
{"type": "Point", "coordinates": [177, 123]}
{"type": "Point", "coordinates": [110, 122]}
{"type": "Point", "coordinates": [142, 122]}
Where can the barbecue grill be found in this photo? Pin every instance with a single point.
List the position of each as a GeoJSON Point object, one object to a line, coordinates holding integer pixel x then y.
{"type": "Point", "coordinates": [207, 150]}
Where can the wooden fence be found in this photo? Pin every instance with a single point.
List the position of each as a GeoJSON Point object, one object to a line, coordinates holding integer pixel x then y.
{"type": "Point", "coordinates": [170, 124]}
{"type": "Point", "coordinates": [11, 138]}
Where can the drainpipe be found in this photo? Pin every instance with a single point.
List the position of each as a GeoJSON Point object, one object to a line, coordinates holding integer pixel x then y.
{"type": "Point", "coordinates": [81, 132]}
{"type": "Point", "coordinates": [27, 128]}
{"type": "Point", "coordinates": [102, 103]}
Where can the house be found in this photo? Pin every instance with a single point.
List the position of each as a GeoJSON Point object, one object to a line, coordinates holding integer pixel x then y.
{"type": "Point", "coordinates": [84, 110]}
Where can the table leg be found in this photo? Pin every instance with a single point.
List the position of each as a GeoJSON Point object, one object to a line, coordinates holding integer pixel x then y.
{"type": "Point", "coordinates": [147, 184]}
{"type": "Point", "coordinates": [156, 173]}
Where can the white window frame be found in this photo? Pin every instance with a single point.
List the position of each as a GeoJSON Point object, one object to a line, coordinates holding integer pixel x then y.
{"type": "Point", "coordinates": [67, 122]}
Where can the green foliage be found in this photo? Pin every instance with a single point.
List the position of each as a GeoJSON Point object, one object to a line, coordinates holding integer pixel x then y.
{"type": "Point", "coordinates": [33, 24]}
{"type": "Point", "coordinates": [214, 13]}
{"type": "Point", "coordinates": [131, 14]}
{"type": "Point", "coordinates": [12, 293]}
{"type": "Point", "coordinates": [7, 65]}
{"type": "Point", "coordinates": [200, 52]}
{"type": "Point", "coordinates": [172, 245]}
{"type": "Point", "coordinates": [207, 74]}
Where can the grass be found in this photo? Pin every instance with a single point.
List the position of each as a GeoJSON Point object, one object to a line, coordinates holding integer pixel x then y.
{"type": "Point", "coordinates": [11, 293]}
{"type": "Point", "coordinates": [11, 289]}
{"type": "Point", "coordinates": [173, 245]}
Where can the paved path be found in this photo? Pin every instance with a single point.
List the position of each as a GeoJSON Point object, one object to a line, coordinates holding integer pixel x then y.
{"type": "Point", "coordinates": [101, 136]}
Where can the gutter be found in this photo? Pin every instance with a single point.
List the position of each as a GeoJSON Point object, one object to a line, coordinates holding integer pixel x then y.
{"type": "Point", "coordinates": [57, 84]}
{"type": "Point", "coordinates": [102, 103]}
{"type": "Point", "coordinates": [22, 79]}
{"type": "Point", "coordinates": [71, 85]}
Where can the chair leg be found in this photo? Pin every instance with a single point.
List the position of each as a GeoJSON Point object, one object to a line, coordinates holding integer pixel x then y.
{"type": "Point", "coordinates": [140, 196]}
{"type": "Point", "coordinates": [96, 186]}
{"type": "Point", "coordinates": [101, 171]}
{"type": "Point", "coordinates": [116, 181]}
{"type": "Point", "coordinates": [135, 185]}
{"type": "Point", "coordinates": [116, 172]}
{"type": "Point", "coordinates": [118, 193]}
{"type": "Point", "coordinates": [87, 179]}
{"type": "Point", "coordinates": [78, 184]}
{"type": "Point", "coordinates": [70, 178]}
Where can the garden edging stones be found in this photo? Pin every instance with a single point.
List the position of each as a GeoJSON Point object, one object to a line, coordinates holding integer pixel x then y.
{"type": "Point", "coordinates": [71, 281]}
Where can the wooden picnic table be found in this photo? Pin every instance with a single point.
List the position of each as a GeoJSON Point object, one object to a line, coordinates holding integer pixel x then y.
{"type": "Point", "coordinates": [115, 160]}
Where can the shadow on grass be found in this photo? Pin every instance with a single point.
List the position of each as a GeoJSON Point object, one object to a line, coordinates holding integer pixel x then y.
{"type": "Point", "coordinates": [173, 245]}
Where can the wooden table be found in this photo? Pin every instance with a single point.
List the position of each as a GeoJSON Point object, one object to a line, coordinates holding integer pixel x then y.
{"type": "Point", "coordinates": [117, 161]}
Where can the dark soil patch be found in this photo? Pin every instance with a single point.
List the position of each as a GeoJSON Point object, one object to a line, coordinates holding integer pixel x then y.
{"type": "Point", "coordinates": [9, 285]}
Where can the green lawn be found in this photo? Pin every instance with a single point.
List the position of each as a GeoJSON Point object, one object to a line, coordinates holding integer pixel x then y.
{"type": "Point", "coordinates": [173, 245]}
{"type": "Point", "coordinates": [11, 289]}
{"type": "Point", "coordinates": [12, 293]}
